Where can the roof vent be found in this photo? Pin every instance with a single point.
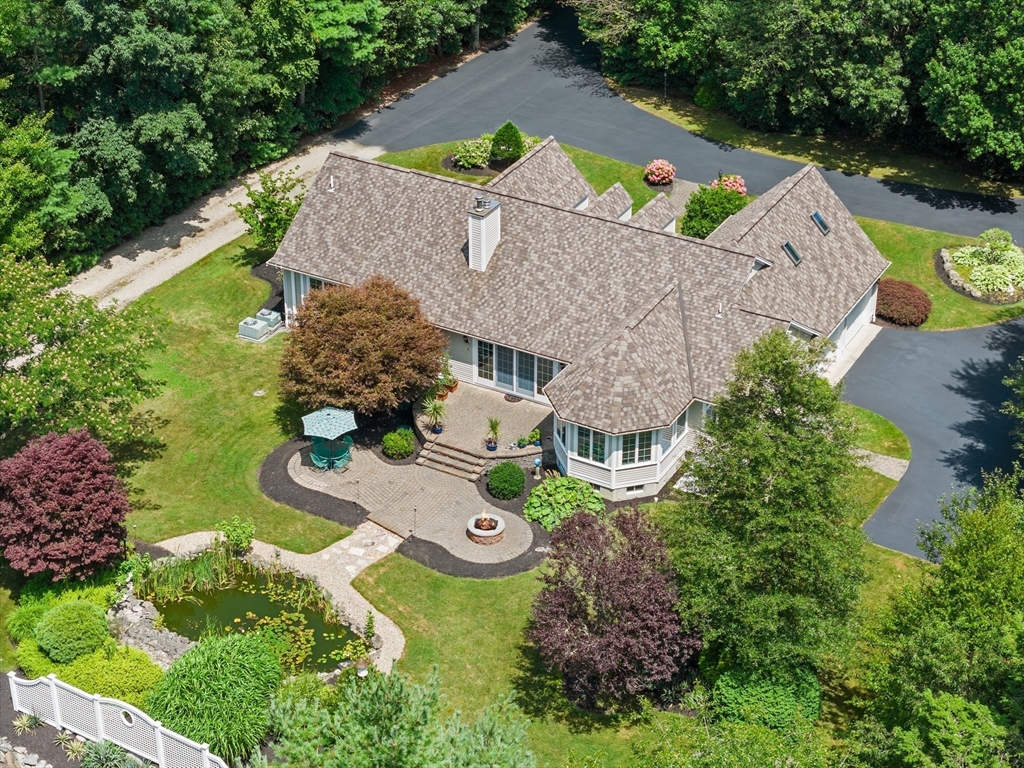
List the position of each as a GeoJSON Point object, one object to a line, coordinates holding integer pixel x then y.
{"type": "Point", "coordinates": [719, 312]}
{"type": "Point", "coordinates": [330, 187]}
{"type": "Point", "coordinates": [484, 231]}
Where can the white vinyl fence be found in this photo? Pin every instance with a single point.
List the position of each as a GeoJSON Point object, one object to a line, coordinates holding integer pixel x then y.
{"type": "Point", "coordinates": [98, 719]}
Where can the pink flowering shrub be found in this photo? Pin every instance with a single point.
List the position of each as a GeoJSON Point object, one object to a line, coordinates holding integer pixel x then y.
{"type": "Point", "coordinates": [731, 182]}
{"type": "Point", "coordinates": [659, 172]}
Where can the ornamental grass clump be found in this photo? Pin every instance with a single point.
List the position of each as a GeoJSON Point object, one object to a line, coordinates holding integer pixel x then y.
{"type": "Point", "coordinates": [559, 497]}
{"type": "Point", "coordinates": [506, 480]}
{"type": "Point", "coordinates": [659, 172]}
{"type": "Point", "coordinates": [218, 693]}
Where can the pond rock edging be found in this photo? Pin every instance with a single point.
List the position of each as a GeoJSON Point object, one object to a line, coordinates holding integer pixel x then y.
{"type": "Point", "coordinates": [136, 622]}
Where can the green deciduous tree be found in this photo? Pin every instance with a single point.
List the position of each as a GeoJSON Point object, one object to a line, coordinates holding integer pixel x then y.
{"type": "Point", "coordinates": [707, 208]}
{"type": "Point", "coordinates": [272, 207]}
{"type": "Point", "coordinates": [65, 363]}
{"type": "Point", "coordinates": [949, 732]}
{"type": "Point", "coordinates": [769, 562]}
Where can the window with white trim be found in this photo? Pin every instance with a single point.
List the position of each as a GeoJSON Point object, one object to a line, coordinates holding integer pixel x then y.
{"type": "Point", "coordinates": [560, 431]}
{"type": "Point", "coordinates": [634, 489]}
{"type": "Point", "coordinates": [315, 284]}
{"type": "Point", "coordinates": [679, 428]}
{"type": "Point", "coordinates": [590, 444]}
{"type": "Point", "coordinates": [485, 360]}
{"type": "Point", "coordinates": [545, 372]}
{"type": "Point", "coordinates": [636, 447]}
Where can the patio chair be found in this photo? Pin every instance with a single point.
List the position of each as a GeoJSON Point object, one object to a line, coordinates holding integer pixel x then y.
{"type": "Point", "coordinates": [344, 456]}
{"type": "Point", "coordinates": [320, 462]}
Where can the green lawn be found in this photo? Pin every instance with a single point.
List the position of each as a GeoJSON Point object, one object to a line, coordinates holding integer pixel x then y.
{"type": "Point", "coordinates": [472, 630]}
{"type": "Point", "coordinates": [878, 434]}
{"type": "Point", "coordinates": [216, 432]}
{"type": "Point", "coordinates": [876, 159]}
{"type": "Point", "coordinates": [911, 250]}
{"type": "Point", "coordinates": [429, 159]}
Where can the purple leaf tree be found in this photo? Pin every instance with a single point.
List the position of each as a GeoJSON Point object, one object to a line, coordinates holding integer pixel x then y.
{"type": "Point", "coordinates": [605, 619]}
{"type": "Point", "coordinates": [62, 508]}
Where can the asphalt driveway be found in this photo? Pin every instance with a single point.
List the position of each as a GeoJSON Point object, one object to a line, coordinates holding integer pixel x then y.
{"type": "Point", "coordinates": [945, 391]}
{"type": "Point", "coordinates": [547, 82]}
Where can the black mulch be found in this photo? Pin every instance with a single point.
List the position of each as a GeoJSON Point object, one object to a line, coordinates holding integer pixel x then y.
{"type": "Point", "coordinates": [509, 505]}
{"type": "Point", "coordinates": [373, 428]}
{"type": "Point", "coordinates": [276, 483]}
{"type": "Point", "coordinates": [38, 741]}
{"type": "Point", "coordinates": [448, 163]}
{"type": "Point", "coordinates": [986, 298]}
{"type": "Point", "coordinates": [438, 558]}
{"type": "Point", "coordinates": [145, 548]}
{"type": "Point", "coordinates": [271, 275]}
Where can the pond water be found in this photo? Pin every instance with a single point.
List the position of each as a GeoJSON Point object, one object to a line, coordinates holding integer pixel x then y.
{"type": "Point", "coordinates": [258, 602]}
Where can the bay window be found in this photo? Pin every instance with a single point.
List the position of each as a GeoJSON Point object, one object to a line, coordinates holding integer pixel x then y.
{"type": "Point", "coordinates": [636, 447]}
{"type": "Point", "coordinates": [590, 444]}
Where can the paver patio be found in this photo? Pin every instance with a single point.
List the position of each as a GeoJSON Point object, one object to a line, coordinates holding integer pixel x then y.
{"type": "Point", "coordinates": [412, 500]}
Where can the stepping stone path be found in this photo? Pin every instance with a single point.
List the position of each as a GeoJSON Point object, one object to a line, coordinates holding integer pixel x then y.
{"type": "Point", "coordinates": [333, 568]}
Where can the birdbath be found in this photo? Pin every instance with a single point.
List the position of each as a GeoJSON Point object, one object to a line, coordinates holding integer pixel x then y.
{"type": "Point", "coordinates": [485, 529]}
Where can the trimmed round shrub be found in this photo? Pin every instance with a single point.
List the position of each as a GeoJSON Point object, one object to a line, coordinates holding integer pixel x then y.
{"type": "Point", "coordinates": [773, 700]}
{"type": "Point", "coordinates": [218, 693]}
{"type": "Point", "coordinates": [70, 630]}
{"type": "Point", "coordinates": [399, 444]}
{"type": "Point", "coordinates": [508, 143]}
{"type": "Point", "coordinates": [21, 625]}
{"type": "Point", "coordinates": [127, 674]}
{"type": "Point", "coordinates": [559, 497]}
{"type": "Point", "coordinates": [902, 303]}
{"type": "Point", "coordinates": [506, 480]}
{"type": "Point", "coordinates": [708, 207]}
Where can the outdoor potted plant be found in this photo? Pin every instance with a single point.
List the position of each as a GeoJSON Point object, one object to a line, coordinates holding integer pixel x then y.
{"type": "Point", "coordinates": [435, 412]}
{"type": "Point", "coordinates": [534, 437]}
{"type": "Point", "coordinates": [493, 426]}
{"type": "Point", "coordinates": [447, 381]}
{"type": "Point", "coordinates": [522, 442]}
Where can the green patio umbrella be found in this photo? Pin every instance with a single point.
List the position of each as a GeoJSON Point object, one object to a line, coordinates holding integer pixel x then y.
{"type": "Point", "coordinates": [325, 427]}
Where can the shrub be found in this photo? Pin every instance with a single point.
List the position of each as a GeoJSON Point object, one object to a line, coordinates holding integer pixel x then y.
{"type": "Point", "coordinates": [62, 508]}
{"type": "Point", "coordinates": [992, 278]}
{"type": "Point", "coordinates": [399, 444]}
{"type": "Point", "coordinates": [506, 480]}
{"type": "Point", "coordinates": [475, 153]}
{"type": "Point", "coordinates": [902, 303]}
{"type": "Point", "coordinates": [732, 182]}
{"type": "Point", "coordinates": [106, 754]}
{"type": "Point", "coordinates": [708, 207]}
{"type": "Point", "coordinates": [21, 625]}
{"type": "Point", "coordinates": [659, 172]}
{"type": "Point", "coordinates": [558, 497]}
{"type": "Point", "coordinates": [33, 662]}
{"type": "Point", "coordinates": [368, 347]}
{"type": "Point", "coordinates": [606, 619]}
{"type": "Point", "coordinates": [126, 674]}
{"type": "Point", "coordinates": [997, 264]}
{"type": "Point", "coordinates": [218, 693]}
{"type": "Point", "coordinates": [238, 534]}
{"type": "Point", "coordinates": [70, 630]}
{"type": "Point", "coordinates": [508, 143]}
{"type": "Point", "coordinates": [774, 700]}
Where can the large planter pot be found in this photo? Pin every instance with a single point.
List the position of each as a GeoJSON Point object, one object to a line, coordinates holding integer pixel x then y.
{"type": "Point", "coordinates": [491, 446]}
{"type": "Point", "coordinates": [454, 386]}
{"type": "Point", "coordinates": [441, 395]}
{"type": "Point", "coordinates": [437, 430]}
{"type": "Point", "coordinates": [537, 443]}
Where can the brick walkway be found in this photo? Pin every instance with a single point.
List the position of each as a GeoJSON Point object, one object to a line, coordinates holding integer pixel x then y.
{"type": "Point", "coordinates": [411, 500]}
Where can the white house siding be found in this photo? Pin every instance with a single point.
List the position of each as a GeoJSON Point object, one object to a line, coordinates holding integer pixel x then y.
{"type": "Point", "coordinates": [460, 349]}
{"type": "Point", "coordinates": [593, 473]}
{"type": "Point", "coordinates": [861, 315]}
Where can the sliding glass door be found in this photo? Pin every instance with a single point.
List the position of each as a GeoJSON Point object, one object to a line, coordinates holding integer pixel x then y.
{"type": "Point", "coordinates": [512, 370]}
{"type": "Point", "coordinates": [525, 373]}
{"type": "Point", "coordinates": [504, 367]}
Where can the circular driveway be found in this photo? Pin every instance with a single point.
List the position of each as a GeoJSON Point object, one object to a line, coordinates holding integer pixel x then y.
{"type": "Point", "coordinates": [945, 391]}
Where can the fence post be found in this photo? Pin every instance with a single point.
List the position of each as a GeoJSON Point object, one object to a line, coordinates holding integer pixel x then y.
{"type": "Point", "coordinates": [57, 722]}
{"type": "Point", "coordinates": [206, 755]}
{"type": "Point", "coordinates": [158, 735]}
{"type": "Point", "coordinates": [99, 717]}
{"type": "Point", "coordinates": [13, 686]}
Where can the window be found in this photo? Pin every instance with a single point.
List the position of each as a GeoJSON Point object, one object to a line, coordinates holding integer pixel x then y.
{"type": "Point", "coordinates": [791, 252]}
{"type": "Point", "coordinates": [634, 489]}
{"type": "Point", "coordinates": [315, 284]}
{"type": "Point", "coordinates": [681, 424]}
{"type": "Point", "coordinates": [636, 447]}
{"type": "Point", "coordinates": [545, 372]}
{"type": "Point", "coordinates": [799, 332]}
{"type": "Point", "coordinates": [485, 360]}
{"type": "Point", "coordinates": [820, 221]}
{"type": "Point", "coordinates": [560, 431]}
{"type": "Point", "coordinates": [590, 444]}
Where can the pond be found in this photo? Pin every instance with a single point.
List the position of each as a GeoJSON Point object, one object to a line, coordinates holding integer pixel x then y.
{"type": "Point", "coordinates": [279, 605]}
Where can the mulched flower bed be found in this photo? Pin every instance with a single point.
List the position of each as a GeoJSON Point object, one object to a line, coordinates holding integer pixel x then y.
{"type": "Point", "coordinates": [514, 506]}
{"type": "Point", "coordinates": [996, 299]}
{"type": "Point", "coordinates": [449, 165]}
{"type": "Point", "coordinates": [666, 188]}
{"type": "Point", "coordinates": [372, 429]}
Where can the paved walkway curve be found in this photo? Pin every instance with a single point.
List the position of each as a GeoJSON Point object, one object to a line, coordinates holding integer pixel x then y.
{"type": "Point", "coordinates": [333, 568]}
{"type": "Point", "coordinates": [944, 389]}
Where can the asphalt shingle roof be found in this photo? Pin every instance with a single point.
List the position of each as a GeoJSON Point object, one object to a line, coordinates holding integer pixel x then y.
{"type": "Point", "coordinates": [647, 320]}
{"type": "Point", "coordinates": [547, 175]}
{"type": "Point", "coordinates": [657, 214]}
{"type": "Point", "coordinates": [613, 203]}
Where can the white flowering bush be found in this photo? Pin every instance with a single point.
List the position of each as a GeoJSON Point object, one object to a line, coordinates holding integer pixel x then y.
{"type": "Point", "coordinates": [474, 153]}
{"type": "Point", "coordinates": [997, 265]}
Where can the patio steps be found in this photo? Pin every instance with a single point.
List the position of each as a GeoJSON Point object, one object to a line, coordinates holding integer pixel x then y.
{"type": "Point", "coordinates": [451, 460]}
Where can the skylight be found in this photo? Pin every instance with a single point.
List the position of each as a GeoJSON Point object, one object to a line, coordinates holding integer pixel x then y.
{"type": "Point", "coordinates": [820, 221]}
{"type": "Point", "coordinates": [791, 251]}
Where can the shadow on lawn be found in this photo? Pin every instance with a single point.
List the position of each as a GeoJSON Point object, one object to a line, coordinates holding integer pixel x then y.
{"type": "Point", "coordinates": [539, 694]}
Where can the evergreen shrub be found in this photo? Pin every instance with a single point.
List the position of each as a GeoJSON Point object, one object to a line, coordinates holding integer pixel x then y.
{"type": "Point", "coordinates": [399, 444]}
{"type": "Point", "coordinates": [902, 303]}
{"type": "Point", "coordinates": [559, 497]}
{"type": "Point", "coordinates": [218, 693]}
{"type": "Point", "coordinates": [33, 662]}
{"type": "Point", "coordinates": [508, 143]}
{"type": "Point", "coordinates": [776, 700]}
{"type": "Point", "coordinates": [708, 207]}
{"type": "Point", "coordinates": [506, 480]}
{"type": "Point", "coordinates": [70, 630]}
{"type": "Point", "coordinates": [125, 674]}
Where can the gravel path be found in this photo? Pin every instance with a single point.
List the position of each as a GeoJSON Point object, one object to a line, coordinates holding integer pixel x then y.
{"type": "Point", "coordinates": [333, 569]}
{"type": "Point", "coordinates": [888, 466]}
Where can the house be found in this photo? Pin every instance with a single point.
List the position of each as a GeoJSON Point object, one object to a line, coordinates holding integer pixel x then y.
{"type": "Point", "coordinates": [554, 293]}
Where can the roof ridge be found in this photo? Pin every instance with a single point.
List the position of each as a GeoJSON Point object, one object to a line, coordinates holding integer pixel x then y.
{"type": "Point", "coordinates": [686, 334]}
{"type": "Point", "coordinates": [575, 211]}
{"type": "Point", "coordinates": [796, 178]}
{"type": "Point", "coordinates": [522, 160]}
